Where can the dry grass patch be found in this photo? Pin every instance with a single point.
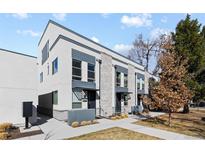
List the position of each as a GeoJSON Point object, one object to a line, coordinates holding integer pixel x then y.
{"type": "Point", "coordinates": [189, 124]}
{"type": "Point", "coordinates": [114, 133]}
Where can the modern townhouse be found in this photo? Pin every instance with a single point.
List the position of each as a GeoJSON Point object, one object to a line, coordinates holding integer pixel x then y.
{"type": "Point", "coordinates": [78, 73]}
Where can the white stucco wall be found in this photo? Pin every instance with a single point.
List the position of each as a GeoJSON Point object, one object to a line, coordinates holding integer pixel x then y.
{"type": "Point", "coordinates": [18, 83]}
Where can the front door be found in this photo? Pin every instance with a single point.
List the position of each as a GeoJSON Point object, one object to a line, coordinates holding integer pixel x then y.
{"type": "Point", "coordinates": [118, 103]}
{"type": "Point", "coordinates": [91, 99]}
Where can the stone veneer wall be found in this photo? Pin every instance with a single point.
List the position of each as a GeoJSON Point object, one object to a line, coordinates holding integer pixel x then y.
{"type": "Point", "coordinates": [106, 85]}
{"type": "Point", "coordinates": [131, 87]}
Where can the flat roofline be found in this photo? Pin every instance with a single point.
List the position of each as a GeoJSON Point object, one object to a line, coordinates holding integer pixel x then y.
{"type": "Point", "coordinates": [69, 30]}
{"type": "Point", "coordinates": [22, 54]}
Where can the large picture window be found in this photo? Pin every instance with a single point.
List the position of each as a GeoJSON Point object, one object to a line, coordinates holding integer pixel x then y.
{"type": "Point", "coordinates": [55, 66]}
{"type": "Point", "coordinates": [91, 72]}
{"type": "Point", "coordinates": [118, 79]}
{"type": "Point", "coordinates": [76, 70]}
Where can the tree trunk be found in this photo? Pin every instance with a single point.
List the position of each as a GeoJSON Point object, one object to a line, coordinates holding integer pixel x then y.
{"type": "Point", "coordinates": [147, 65]}
{"type": "Point", "coordinates": [170, 116]}
{"type": "Point", "coordinates": [186, 108]}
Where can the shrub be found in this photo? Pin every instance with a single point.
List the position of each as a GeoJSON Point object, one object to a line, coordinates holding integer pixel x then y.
{"type": "Point", "coordinates": [118, 117]}
{"type": "Point", "coordinates": [4, 136]}
{"type": "Point", "coordinates": [83, 123]}
{"type": "Point", "coordinates": [75, 124]}
{"type": "Point", "coordinates": [123, 115]}
{"type": "Point", "coordinates": [126, 115]}
{"type": "Point", "coordinates": [5, 126]}
{"type": "Point", "coordinates": [113, 118]}
{"type": "Point", "coordinates": [89, 122]}
{"type": "Point", "coordinates": [94, 121]}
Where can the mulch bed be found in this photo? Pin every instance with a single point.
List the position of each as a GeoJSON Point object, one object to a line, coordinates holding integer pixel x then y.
{"type": "Point", "coordinates": [14, 133]}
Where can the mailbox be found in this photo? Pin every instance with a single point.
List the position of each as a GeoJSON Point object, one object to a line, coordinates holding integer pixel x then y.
{"type": "Point", "coordinates": [27, 109]}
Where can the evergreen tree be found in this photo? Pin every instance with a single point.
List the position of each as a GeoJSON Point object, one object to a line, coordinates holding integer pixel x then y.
{"type": "Point", "coordinates": [189, 41]}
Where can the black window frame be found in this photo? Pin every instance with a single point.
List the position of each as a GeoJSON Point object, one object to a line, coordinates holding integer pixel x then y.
{"type": "Point", "coordinates": [143, 84]}
{"type": "Point", "coordinates": [118, 79]}
{"type": "Point", "coordinates": [91, 70]}
{"type": "Point", "coordinates": [138, 83]}
{"type": "Point", "coordinates": [75, 76]}
{"type": "Point", "coordinates": [126, 80]}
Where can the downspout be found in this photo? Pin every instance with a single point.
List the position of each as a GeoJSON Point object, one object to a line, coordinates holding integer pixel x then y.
{"type": "Point", "coordinates": [135, 87]}
{"type": "Point", "coordinates": [115, 95]}
{"type": "Point", "coordinates": [100, 62]}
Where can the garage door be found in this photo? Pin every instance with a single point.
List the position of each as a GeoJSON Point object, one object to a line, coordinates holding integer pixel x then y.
{"type": "Point", "coordinates": [45, 104]}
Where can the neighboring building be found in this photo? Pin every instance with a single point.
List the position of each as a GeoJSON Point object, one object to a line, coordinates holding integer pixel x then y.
{"type": "Point", "coordinates": [18, 83]}
{"type": "Point", "coordinates": [78, 73]}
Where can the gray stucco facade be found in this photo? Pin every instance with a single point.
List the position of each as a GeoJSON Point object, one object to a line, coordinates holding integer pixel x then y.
{"type": "Point", "coordinates": [100, 78]}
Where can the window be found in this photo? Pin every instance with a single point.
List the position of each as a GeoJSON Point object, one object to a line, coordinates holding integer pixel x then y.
{"type": "Point", "coordinates": [55, 97]}
{"type": "Point", "coordinates": [48, 69]}
{"type": "Point", "coordinates": [41, 77]}
{"type": "Point", "coordinates": [142, 84]}
{"type": "Point", "coordinates": [125, 81]}
{"type": "Point", "coordinates": [55, 66]}
{"type": "Point", "coordinates": [77, 98]}
{"type": "Point", "coordinates": [76, 105]}
{"type": "Point", "coordinates": [118, 79]}
{"type": "Point", "coordinates": [91, 72]}
{"type": "Point", "coordinates": [138, 83]}
{"type": "Point", "coordinates": [125, 99]}
{"type": "Point", "coordinates": [76, 69]}
{"type": "Point", "coordinates": [45, 52]}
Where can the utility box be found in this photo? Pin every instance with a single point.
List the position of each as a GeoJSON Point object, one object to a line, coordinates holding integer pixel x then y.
{"type": "Point", "coordinates": [27, 109]}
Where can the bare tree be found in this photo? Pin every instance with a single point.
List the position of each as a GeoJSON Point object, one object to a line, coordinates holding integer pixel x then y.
{"type": "Point", "coordinates": [143, 49]}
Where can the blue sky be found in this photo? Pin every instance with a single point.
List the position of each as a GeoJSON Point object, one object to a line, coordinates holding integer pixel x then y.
{"type": "Point", "coordinates": [21, 32]}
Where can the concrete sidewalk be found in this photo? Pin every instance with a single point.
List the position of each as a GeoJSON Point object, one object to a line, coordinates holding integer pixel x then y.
{"type": "Point", "coordinates": [54, 129]}
{"type": "Point", "coordinates": [162, 134]}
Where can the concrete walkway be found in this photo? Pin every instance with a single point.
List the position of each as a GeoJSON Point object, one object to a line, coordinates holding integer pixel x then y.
{"type": "Point", "coordinates": [54, 129]}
